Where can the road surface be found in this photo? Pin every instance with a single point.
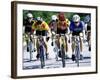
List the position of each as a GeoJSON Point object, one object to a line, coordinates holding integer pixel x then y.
{"type": "Point", "coordinates": [51, 62]}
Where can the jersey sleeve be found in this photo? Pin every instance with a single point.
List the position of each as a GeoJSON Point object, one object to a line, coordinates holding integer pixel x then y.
{"type": "Point", "coordinates": [45, 26]}
{"type": "Point", "coordinates": [33, 26]}
{"type": "Point", "coordinates": [68, 22]}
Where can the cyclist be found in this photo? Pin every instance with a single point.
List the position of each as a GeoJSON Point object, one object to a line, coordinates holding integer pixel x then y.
{"type": "Point", "coordinates": [76, 28]}
{"type": "Point", "coordinates": [28, 27]}
{"type": "Point", "coordinates": [41, 28]}
{"type": "Point", "coordinates": [87, 21]}
{"type": "Point", "coordinates": [53, 23]}
{"type": "Point", "coordinates": [62, 28]}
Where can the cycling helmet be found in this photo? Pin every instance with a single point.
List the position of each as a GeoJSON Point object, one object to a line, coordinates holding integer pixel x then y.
{"type": "Point", "coordinates": [61, 16]}
{"type": "Point", "coordinates": [76, 18]}
{"type": "Point", "coordinates": [54, 17]}
{"type": "Point", "coordinates": [29, 15]}
{"type": "Point", "coordinates": [87, 19]}
{"type": "Point", "coordinates": [39, 19]}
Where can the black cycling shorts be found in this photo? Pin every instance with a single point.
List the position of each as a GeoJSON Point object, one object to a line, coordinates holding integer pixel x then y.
{"type": "Point", "coordinates": [76, 33]}
{"type": "Point", "coordinates": [88, 28]}
{"type": "Point", "coordinates": [59, 31]}
{"type": "Point", "coordinates": [43, 33]}
{"type": "Point", "coordinates": [28, 29]}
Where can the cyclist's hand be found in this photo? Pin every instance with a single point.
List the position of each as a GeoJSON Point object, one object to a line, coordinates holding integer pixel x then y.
{"type": "Point", "coordinates": [69, 41]}
{"type": "Point", "coordinates": [53, 33]}
{"type": "Point", "coordinates": [81, 34]}
{"type": "Point", "coordinates": [47, 39]}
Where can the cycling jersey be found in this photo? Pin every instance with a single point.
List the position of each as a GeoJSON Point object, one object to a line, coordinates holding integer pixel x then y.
{"type": "Point", "coordinates": [42, 26]}
{"type": "Point", "coordinates": [63, 25]}
{"type": "Point", "coordinates": [28, 25]}
{"type": "Point", "coordinates": [53, 25]}
{"type": "Point", "coordinates": [76, 29]}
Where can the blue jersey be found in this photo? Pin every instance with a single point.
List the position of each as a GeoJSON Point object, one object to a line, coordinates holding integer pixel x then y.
{"type": "Point", "coordinates": [74, 28]}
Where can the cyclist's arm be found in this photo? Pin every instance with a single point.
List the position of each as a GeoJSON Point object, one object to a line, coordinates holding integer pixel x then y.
{"type": "Point", "coordinates": [47, 28]}
{"type": "Point", "coordinates": [68, 23]}
{"type": "Point", "coordinates": [34, 27]}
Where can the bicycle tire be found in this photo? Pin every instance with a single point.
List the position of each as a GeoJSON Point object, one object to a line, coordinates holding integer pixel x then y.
{"type": "Point", "coordinates": [30, 50]}
{"type": "Point", "coordinates": [77, 55]}
{"type": "Point", "coordinates": [41, 50]}
{"type": "Point", "coordinates": [63, 56]}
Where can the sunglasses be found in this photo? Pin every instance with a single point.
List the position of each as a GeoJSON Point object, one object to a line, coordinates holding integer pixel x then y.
{"type": "Point", "coordinates": [76, 22]}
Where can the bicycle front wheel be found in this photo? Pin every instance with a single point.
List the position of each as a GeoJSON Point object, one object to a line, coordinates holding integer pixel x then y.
{"type": "Point", "coordinates": [63, 56]}
{"type": "Point", "coordinates": [41, 50]}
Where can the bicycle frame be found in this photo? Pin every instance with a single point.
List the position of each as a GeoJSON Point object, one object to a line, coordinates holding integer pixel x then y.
{"type": "Point", "coordinates": [41, 51]}
{"type": "Point", "coordinates": [29, 44]}
{"type": "Point", "coordinates": [62, 44]}
{"type": "Point", "coordinates": [77, 49]}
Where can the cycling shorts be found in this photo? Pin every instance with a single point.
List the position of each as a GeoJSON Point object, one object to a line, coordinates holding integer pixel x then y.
{"type": "Point", "coordinates": [28, 29]}
{"type": "Point", "coordinates": [88, 28]}
{"type": "Point", "coordinates": [59, 31]}
{"type": "Point", "coordinates": [43, 32]}
{"type": "Point", "coordinates": [76, 33]}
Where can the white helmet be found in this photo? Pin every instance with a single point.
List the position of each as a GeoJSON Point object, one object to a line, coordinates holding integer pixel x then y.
{"type": "Point", "coordinates": [54, 17]}
{"type": "Point", "coordinates": [87, 19]}
{"type": "Point", "coordinates": [76, 18]}
{"type": "Point", "coordinates": [39, 19]}
{"type": "Point", "coordinates": [29, 15]}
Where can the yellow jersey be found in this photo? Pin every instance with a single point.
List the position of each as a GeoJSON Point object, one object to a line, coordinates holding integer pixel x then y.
{"type": "Point", "coordinates": [42, 26]}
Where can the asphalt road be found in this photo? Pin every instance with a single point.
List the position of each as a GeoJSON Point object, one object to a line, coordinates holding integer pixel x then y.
{"type": "Point", "coordinates": [51, 62]}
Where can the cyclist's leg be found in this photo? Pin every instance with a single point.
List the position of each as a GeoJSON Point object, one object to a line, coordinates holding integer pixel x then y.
{"type": "Point", "coordinates": [27, 41]}
{"type": "Point", "coordinates": [37, 44]}
{"type": "Point", "coordinates": [37, 47]}
{"type": "Point", "coordinates": [65, 40]}
{"type": "Point", "coordinates": [58, 42]}
{"type": "Point", "coordinates": [73, 44]}
{"type": "Point", "coordinates": [46, 47]}
{"type": "Point", "coordinates": [44, 33]}
{"type": "Point", "coordinates": [34, 42]}
{"type": "Point", "coordinates": [73, 48]}
{"type": "Point", "coordinates": [89, 34]}
{"type": "Point", "coordinates": [66, 47]}
{"type": "Point", "coordinates": [81, 48]}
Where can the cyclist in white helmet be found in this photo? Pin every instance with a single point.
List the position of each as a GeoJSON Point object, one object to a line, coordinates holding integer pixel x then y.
{"type": "Point", "coordinates": [87, 21]}
{"type": "Point", "coordinates": [53, 23]}
{"type": "Point", "coordinates": [76, 28]}
{"type": "Point", "coordinates": [27, 23]}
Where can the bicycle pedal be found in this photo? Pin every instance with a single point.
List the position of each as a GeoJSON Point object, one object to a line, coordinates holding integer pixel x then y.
{"type": "Point", "coordinates": [73, 58]}
{"type": "Point", "coordinates": [89, 48]}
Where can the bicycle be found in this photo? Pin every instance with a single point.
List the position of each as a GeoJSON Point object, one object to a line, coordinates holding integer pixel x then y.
{"type": "Point", "coordinates": [77, 49]}
{"type": "Point", "coordinates": [29, 44]}
{"type": "Point", "coordinates": [89, 39]}
{"type": "Point", "coordinates": [62, 51]}
{"type": "Point", "coordinates": [41, 51]}
{"type": "Point", "coordinates": [62, 43]}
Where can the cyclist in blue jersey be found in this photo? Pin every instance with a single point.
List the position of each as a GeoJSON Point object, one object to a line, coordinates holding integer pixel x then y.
{"type": "Point", "coordinates": [76, 29]}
